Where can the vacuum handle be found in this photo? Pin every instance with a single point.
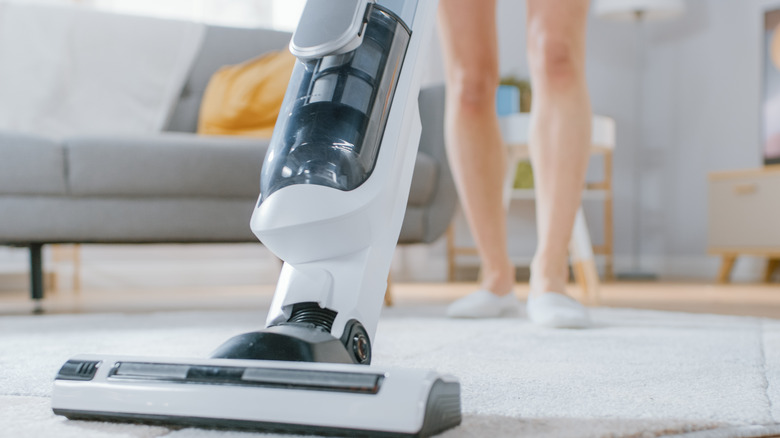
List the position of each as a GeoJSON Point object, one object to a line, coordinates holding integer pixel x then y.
{"type": "Point", "coordinates": [329, 27]}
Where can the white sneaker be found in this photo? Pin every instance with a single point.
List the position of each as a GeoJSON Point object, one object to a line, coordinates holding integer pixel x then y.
{"type": "Point", "coordinates": [552, 309]}
{"type": "Point", "coordinates": [483, 304]}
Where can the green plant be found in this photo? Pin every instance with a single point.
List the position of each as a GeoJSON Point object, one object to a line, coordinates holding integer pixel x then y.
{"type": "Point", "coordinates": [524, 176]}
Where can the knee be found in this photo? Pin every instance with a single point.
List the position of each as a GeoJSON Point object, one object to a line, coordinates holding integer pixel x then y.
{"type": "Point", "coordinates": [553, 58]}
{"type": "Point", "coordinates": [473, 89]}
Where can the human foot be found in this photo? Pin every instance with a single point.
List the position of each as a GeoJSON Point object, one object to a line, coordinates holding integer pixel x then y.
{"type": "Point", "coordinates": [483, 304]}
{"type": "Point", "coordinates": [556, 310]}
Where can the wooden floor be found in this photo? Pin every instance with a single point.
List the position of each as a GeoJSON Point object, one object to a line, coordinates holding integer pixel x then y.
{"type": "Point", "coordinates": [738, 299]}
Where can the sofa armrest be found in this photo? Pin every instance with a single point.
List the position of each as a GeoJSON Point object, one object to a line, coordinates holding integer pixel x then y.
{"type": "Point", "coordinates": [441, 208]}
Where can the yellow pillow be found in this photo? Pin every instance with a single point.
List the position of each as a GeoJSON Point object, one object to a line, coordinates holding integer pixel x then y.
{"type": "Point", "coordinates": [245, 99]}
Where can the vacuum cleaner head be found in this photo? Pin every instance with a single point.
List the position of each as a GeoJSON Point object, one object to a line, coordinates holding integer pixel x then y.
{"type": "Point", "coordinates": [271, 396]}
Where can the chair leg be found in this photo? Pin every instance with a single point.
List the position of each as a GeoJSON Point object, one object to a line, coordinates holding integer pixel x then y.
{"type": "Point", "coordinates": [581, 251]}
{"type": "Point", "coordinates": [451, 252]}
{"type": "Point", "coordinates": [388, 291]}
{"type": "Point", "coordinates": [587, 277]}
{"type": "Point", "coordinates": [726, 266]}
{"type": "Point", "coordinates": [772, 265]}
{"type": "Point", "coordinates": [36, 274]}
{"type": "Point", "coordinates": [77, 268]}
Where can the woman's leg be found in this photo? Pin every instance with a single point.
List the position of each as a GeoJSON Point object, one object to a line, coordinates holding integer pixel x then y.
{"type": "Point", "coordinates": [474, 145]}
{"type": "Point", "coordinates": [560, 131]}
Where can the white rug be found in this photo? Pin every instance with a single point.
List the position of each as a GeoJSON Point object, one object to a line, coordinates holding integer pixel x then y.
{"type": "Point", "coordinates": [637, 374]}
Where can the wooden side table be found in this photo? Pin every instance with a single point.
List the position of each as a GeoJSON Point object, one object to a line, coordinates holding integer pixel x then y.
{"type": "Point", "coordinates": [744, 207]}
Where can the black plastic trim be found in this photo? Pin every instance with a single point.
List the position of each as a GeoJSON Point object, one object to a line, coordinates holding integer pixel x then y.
{"type": "Point", "coordinates": [78, 370]}
{"type": "Point", "coordinates": [217, 423]}
{"type": "Point", "coordinates": [298, 342]}
{"type": "Point", "coordinates": [333, 381]}
{"type": "Point", "coordinates": [442, 410]}
{"type": "Point", "coordinates": [312, 313]}
{"type": "Point", "coordinates": [357, 342]}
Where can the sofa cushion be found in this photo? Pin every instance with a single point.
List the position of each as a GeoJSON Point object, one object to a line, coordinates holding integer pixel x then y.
{"type": "Point", "coordinates": [245, 99]}
{"type": "Point", "coordinates": [31, 165]}
{"type": "Point", "coordinates": [57, 219]}
{"type": "Point", "coordinates": [167, 165]}
{"type": "Point", "coordinates": [221, 46]}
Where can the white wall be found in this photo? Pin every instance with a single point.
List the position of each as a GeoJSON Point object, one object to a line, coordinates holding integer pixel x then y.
{"type": "Point", "coordinates": [701, 104]}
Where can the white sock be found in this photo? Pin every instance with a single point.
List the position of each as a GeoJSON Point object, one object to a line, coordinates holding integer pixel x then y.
{"type": "Point", "coordinates": [552, 309]}
{"type": "Point", "coordinates": [483, 304]}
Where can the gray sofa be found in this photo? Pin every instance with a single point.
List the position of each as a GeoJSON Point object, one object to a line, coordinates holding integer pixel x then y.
{"type": "Point", "coordinates": [177, 187]}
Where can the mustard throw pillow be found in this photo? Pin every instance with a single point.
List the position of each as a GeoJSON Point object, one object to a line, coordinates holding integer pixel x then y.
{"type": "Point", "coordinates": [245, 99]}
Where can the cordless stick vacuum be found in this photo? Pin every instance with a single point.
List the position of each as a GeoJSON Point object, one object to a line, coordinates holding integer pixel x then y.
{"type": "Point", "coordinates": [334, 188]}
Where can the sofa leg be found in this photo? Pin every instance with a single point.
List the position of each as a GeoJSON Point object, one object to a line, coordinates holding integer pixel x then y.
{"type": "Point", "coordinates": [36, 275]}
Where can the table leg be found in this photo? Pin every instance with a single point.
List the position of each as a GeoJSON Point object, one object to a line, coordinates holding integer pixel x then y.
{"type": "Point", "coordinates": [771, 266]}
{"type": "Point", "coordinates": [726, 266]}
{"type": "Point", "coordinates": [583, 261]}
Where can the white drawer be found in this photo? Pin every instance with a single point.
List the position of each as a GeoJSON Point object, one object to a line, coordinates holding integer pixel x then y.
{"type": "Point", "coordinates": [744, 211]}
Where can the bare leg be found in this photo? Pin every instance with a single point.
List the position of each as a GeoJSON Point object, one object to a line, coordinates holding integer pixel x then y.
{"type": "Point", "coordinates": [560, 131]}
{"type": "Point", "coordinates": [474, 145]}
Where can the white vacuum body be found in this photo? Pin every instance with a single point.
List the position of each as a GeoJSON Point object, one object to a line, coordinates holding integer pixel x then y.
{"type": "Point", "coordinates": [334, 189]}
{"type": "Point", "coordinates": [336, 178]}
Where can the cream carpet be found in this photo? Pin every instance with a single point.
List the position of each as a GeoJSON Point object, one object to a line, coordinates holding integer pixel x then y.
{"type": "Point", "coordinates": [637, 374]}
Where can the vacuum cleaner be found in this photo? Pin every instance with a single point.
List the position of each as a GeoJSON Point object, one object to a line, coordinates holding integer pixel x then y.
{"type": "Point", "coordinates": [333, 191]}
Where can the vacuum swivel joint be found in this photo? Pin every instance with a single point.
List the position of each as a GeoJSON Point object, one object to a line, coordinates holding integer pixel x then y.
{"type": "Point", "coordinates": [305, 337]}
